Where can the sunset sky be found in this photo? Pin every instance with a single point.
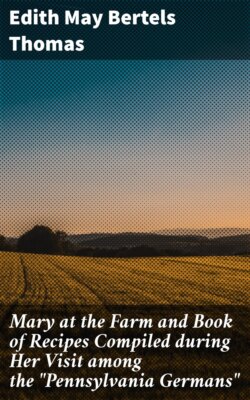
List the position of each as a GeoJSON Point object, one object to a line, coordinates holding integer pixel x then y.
{"type": "Point", "coordinates": [110, 146]}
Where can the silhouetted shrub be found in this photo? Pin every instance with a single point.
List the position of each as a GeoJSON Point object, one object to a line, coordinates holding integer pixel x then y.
{"type": "Point", "coordinates": [3, 244]}
{"type": "Point", "coordinates": [40, 239]}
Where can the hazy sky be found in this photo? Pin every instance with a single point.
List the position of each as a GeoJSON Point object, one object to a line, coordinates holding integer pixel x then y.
{"type": "Point", "coordinates": [100, 146]}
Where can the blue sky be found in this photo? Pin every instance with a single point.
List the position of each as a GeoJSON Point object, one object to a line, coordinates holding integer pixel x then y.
{"type": "Point", "coordinates": [114, 146]}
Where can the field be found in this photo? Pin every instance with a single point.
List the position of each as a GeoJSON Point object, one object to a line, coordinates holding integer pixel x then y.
{"type": "Point", "coordinates": [54, 286]}
{"type": "Point", "coordinates": [27, 279]}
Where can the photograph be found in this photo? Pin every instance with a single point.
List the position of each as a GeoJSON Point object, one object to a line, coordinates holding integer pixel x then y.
{"type": "Point", "coordinates": [125, 182]}
{"type": "Point", "coordinates": [125, 200]}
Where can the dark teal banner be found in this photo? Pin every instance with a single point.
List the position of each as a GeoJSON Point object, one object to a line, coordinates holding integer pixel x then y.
{"type": "Point", "coordinates": [105, 29]}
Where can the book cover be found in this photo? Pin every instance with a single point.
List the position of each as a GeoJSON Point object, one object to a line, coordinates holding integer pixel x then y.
{"type": "Point", "coordinates": [125, 212]}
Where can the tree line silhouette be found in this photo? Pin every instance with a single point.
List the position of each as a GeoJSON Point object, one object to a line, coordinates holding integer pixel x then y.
{"type": "Point", "coordinates": [43, 240]}
{"type": "Point", "coordinates": [40, 240]}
